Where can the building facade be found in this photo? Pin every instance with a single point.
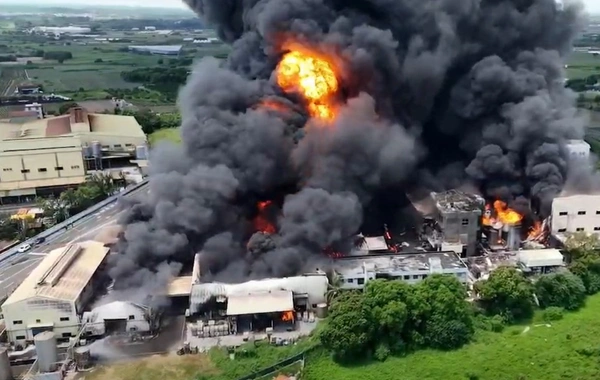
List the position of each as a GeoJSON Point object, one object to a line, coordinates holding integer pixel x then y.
{"type": "Point", "coordinates": [575, 213]}
{"type": "Point", "coordinates": [56, 292]}
{"type": "Point", "coordinates": [579, 150]}
{"type": "Point", "coordinates": [355, 272]}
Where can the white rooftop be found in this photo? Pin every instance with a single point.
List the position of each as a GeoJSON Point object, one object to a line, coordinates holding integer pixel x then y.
{"type": "Point", "coordinates": [376, 243]}
{"type": "Point", "coordinates": [549, 257]}
{"type": "Point", "coordinates": [262, 302]}
{"type": "Point", "coordinates": [63, 273]}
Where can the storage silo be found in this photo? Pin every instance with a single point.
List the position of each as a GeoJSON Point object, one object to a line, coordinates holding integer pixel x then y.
{"type": "Point", "coordinates": [5, 371]}
{"type": "Point", "coordinates": [96, 149]}
{"type": "Point", "coordinates": [82, 357]}
{"type": "Point", "coordinates": [321, 310]}
{"type": "Point", "coordinates": [87, 151]}
{"type": "Point", "coordinates": [141, 152]}
{"type": "Point", "coordinates": [47, 352]}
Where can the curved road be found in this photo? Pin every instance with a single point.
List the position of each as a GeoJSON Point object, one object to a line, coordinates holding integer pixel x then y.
{"type": "Point", "coordinates": [14, 271]}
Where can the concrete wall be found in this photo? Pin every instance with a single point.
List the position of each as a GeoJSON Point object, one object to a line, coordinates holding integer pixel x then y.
{"type": "Point", "coordinates": [576, 213]}
{"type": "Point", "coordinates": [461, 227]}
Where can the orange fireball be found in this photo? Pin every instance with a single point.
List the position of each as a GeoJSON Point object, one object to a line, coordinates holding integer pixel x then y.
{"type": "Point", "coordinates": [312, 76]}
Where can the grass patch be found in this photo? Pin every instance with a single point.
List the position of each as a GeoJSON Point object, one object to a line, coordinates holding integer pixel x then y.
{"type": "Point", "coordinates": [582, 65]}
{"type": "Point", "coordinates": [156, 367]}
{"type": "Point", "coordinates": [168, 134]}
{"type": "Point", "coordinates": [569, 349]}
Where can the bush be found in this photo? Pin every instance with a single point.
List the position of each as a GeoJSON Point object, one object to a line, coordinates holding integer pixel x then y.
{"type": "Point", "coordinates": [382, 352]}
{"type": "Point", "coordinates": [562, 290]}
{"type": "Point", "coordinates": [553, 313]}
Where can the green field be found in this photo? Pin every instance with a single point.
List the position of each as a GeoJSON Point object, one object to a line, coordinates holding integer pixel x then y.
{"type": "Point", "coordinates": [568, 349]}
{"type": "Point", "coordinates": [170, 134]}
{"type": "Point", "coordinates": [582, 65]}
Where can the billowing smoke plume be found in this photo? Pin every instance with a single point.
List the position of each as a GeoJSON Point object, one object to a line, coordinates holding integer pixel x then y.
{"type": "Point", "coordinates": [435, 94]}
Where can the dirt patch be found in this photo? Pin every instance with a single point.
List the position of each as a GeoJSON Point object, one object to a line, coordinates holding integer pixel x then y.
{"type": "Point", "coordinates": [157, 367]}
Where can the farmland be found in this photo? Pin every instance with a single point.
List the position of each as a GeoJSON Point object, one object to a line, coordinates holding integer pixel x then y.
{"type": "Point", "coordinates": [582, 65]}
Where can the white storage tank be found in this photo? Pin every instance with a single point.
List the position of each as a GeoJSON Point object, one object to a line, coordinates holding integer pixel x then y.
{"type": "Point", "coordinates": [321, 310]}
{"type": "Point", "coordinates": [82, 357]}
{"type": "Point", "coordinates": [5, 371]}
{"type": "Point", "coordinates": [96, 149]}
{"type": "Point", "coordinates": [47, 352]}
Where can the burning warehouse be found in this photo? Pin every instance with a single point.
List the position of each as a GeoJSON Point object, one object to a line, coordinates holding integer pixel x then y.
{"type": "Point", "coordinates": [327, 113]}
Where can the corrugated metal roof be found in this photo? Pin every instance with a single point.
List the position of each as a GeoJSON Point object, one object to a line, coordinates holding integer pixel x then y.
{"type": "Point", "coordinates": [548, 257]}
{"type": "Point", "coordinates": [180, 286]}
{"type": "Point", "coordinates": [265, 302]}
{"type": "Point", "coordinates": [62, 275]}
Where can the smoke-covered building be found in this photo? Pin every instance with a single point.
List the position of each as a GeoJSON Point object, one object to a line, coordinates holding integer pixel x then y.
{"type": "Point", "coordinates": [354, 272]}
{"type": "Point", "coordinates": [458, 216]}
{"type": "Point", "coordinates": [118, 318]}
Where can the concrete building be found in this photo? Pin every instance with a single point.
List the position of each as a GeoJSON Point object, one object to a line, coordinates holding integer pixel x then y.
{"type": "Point", "coordinates": [575, 213]}
{"type": "Point", "coordinates": [55, 153]}
{"type": "Point", "coordinates": [56, 292]}
{"type": "Point", "coordinates": [458, 214]}
{"type": "Point", "coordinates": [157, 49]}
{"type": "Point", "coordinates": [579, 150]}
{"type": "Point", "coordinates": [355, 271]}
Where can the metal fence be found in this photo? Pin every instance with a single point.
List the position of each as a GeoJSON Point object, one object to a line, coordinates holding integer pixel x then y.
{"type": "Point", "coordinates": [75, 218]}
{"type": "Point", "coordinates": [275, 367]}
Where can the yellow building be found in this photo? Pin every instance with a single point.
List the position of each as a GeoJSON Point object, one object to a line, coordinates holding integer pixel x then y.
{"type": "Point", "coordinates": [55, 294]}
{"type": "Point", "coordinates": [59, 152]}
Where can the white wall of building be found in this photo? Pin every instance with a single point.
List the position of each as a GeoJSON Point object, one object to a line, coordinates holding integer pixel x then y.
{"type": "Point", "coordinates": [576, 213]}
{"type": "Point", "coordinates": [579, 150]}
{"type": "Point", "coordinates": [135, 316]}
{"type": "Point", "coordinates": [24, 318]}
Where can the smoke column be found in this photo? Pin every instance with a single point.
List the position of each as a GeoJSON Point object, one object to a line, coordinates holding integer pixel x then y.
{"type": "Point", "coordinates": [435, 94]}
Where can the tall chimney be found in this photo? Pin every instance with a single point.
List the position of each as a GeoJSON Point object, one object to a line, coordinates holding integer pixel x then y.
{"type": "Point", "coordinates": [513, 238]}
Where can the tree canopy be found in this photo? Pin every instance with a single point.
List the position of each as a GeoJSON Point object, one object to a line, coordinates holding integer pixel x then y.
{"type": "Point", "coordinates": [561, 290]}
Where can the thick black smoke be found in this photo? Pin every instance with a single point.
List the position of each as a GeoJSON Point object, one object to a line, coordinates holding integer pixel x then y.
{"type": "Point", "coordinates": [436, 94]}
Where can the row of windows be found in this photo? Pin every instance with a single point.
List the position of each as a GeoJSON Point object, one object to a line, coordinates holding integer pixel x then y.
{"type": "Point", "coordinates": [20, 322]}
{"type": "Point", "coordinates": [117, 146]}
{"type": "Point", "coordinates": [64, 335]}
{"type": "Point", "coordinates": [42, 170]}
{"type": "Point", "coordinates": [578, 229]}
{"type": "Point", "coordinates": [565, 213]}
{"type": "Point", "coordinates": [361, 281]}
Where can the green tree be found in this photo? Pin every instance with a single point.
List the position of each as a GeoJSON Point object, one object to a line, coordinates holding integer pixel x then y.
{"type": "Point", "coordinates": [581, 244]}
{"type": "Point", "coordinates": [348, 331]}
{"type": "Point", "coordinates": [507, 293]}
{"type": "Point", "coordinates": [9, 228]}
{"type": "Point", "coordinates": [563, 290]}
{"type": "Point", "coordinates": [448, 316]}
{"type": "Point", "coordinates": [588, 269]}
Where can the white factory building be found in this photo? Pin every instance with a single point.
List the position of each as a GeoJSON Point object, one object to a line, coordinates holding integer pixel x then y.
{"type": "Point", "coordinates": [355, 271]}
{"type": "Point", "coordinates": [117, 317]}
{"type": "Point", "coordinates": [53, 296]}
{"type": "Point", "coordinates": [575, 213]}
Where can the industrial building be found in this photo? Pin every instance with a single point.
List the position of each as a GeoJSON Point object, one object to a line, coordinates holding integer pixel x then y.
{"type": "Point", "coordinates": [455, 221]}
{"type": "Point", "coordinates": [157, 50]}
{"type": "Point", "coordinates": [42, 156]}
{"type": "Point", "coordinates": [117, 317]}
{"type": "Point", "coordinates": [575, 213]}
{"type": "Point", "coordinates": [539, 261]}
{"type": "Point", "coordinates": [355, 271]}
{"type": "Point", "coordinates": [56, 292]}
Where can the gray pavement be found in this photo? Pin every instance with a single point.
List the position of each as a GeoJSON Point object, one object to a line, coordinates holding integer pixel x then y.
{"type": "Point", "coordinates": [14, 272]}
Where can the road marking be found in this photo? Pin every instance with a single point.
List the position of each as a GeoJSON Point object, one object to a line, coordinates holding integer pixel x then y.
{"type": "Point", "coordinates": [38, 253]}
{"type": "Point", "coordinates": [94, 230]}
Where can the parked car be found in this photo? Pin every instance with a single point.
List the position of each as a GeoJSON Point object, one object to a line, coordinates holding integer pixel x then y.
{"type": "Point", "coordinates": [39, 240]}
{"type": "Point", "coordinates": [24, 248]}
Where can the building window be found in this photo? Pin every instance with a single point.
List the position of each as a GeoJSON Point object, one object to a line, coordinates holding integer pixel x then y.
{"type": "Point", "coordinates": [75, 167]}
{"type": "Point", "coordinates": [579, 229]}
{"type": "Point", "coordinates": [424, 276]}
{"type": "Point", "coordinates": [7, 169]}
{"type": "Point", "coordinates": [562, 230]}
{"type": "Point", "coordinates": [66, 335]}
{"type": "Point", "coordinates": [117, 145]}
{"type": "Point", "coordinates": [350, 280]}
{"type": "Point", "coordinates": [42, 170]}
{"type": "Point", "coordinates": [129, 145]}
{"type": "Point", "coordinates": [406, 277]}
{"type": "Point", "coordinates": [361, 281]}
{"type": "Point", "coordinates": [580, 212]}
{"type": "Point", "coordinates": [596, 228]}
{"type": "Point", "coordinates": [38, 321]}
{"type": "Point", "coordinates": [105, 146]}
{"type": "Point", "coordinates": [131, 317]}
{"type": "Point", "coordinates": [465, 222]}
{"type": "Point", "coordinates": [59, 168]}
{"type": "Point", "coordinates": [64, 319]}
{"type": "Point", "coordinates": [25, 171]}
{"type": "Point", "coordinates": [17, 322]}
{"type": "Point", "coordinates": [20, 337]}
{"type": "Point", "coordinates": [562, 213]}
{"type": "Point", "coordinates": [415, 276]}
{"type": "Point", "coordinates": [597, 212]}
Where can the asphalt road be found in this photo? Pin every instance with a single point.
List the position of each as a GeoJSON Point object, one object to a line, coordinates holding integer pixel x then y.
{"type": "Point", "coordinates": [14, 272]}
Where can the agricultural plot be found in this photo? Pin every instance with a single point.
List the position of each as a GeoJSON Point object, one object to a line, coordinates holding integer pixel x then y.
{"type": "Point", "coordinates": [582, 65]}
{"type": "Point", "coordinates": [10, 78]}
{"type": "Point", "coordinates": [68, 78]}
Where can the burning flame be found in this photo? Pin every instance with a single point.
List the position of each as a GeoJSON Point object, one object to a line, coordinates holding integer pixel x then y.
{"type": "Point", "coordinates": [535, 231]}
{"type": "Point", "coordinates": [272, 105]}
{"type": "Point", "coordinates": [503, 214]}
{"type": "Point", "coordinates": [287, 316]}
{"type": "Point", "coordinates": [261, 221]}
{"type": "Point", "coordinates": [314, 77]}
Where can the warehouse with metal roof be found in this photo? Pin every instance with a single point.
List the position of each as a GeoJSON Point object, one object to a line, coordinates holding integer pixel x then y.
{"type": "Point", "coordinates": [53, 296]}
{"type": "Point", "coordinates": [59, 152]}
